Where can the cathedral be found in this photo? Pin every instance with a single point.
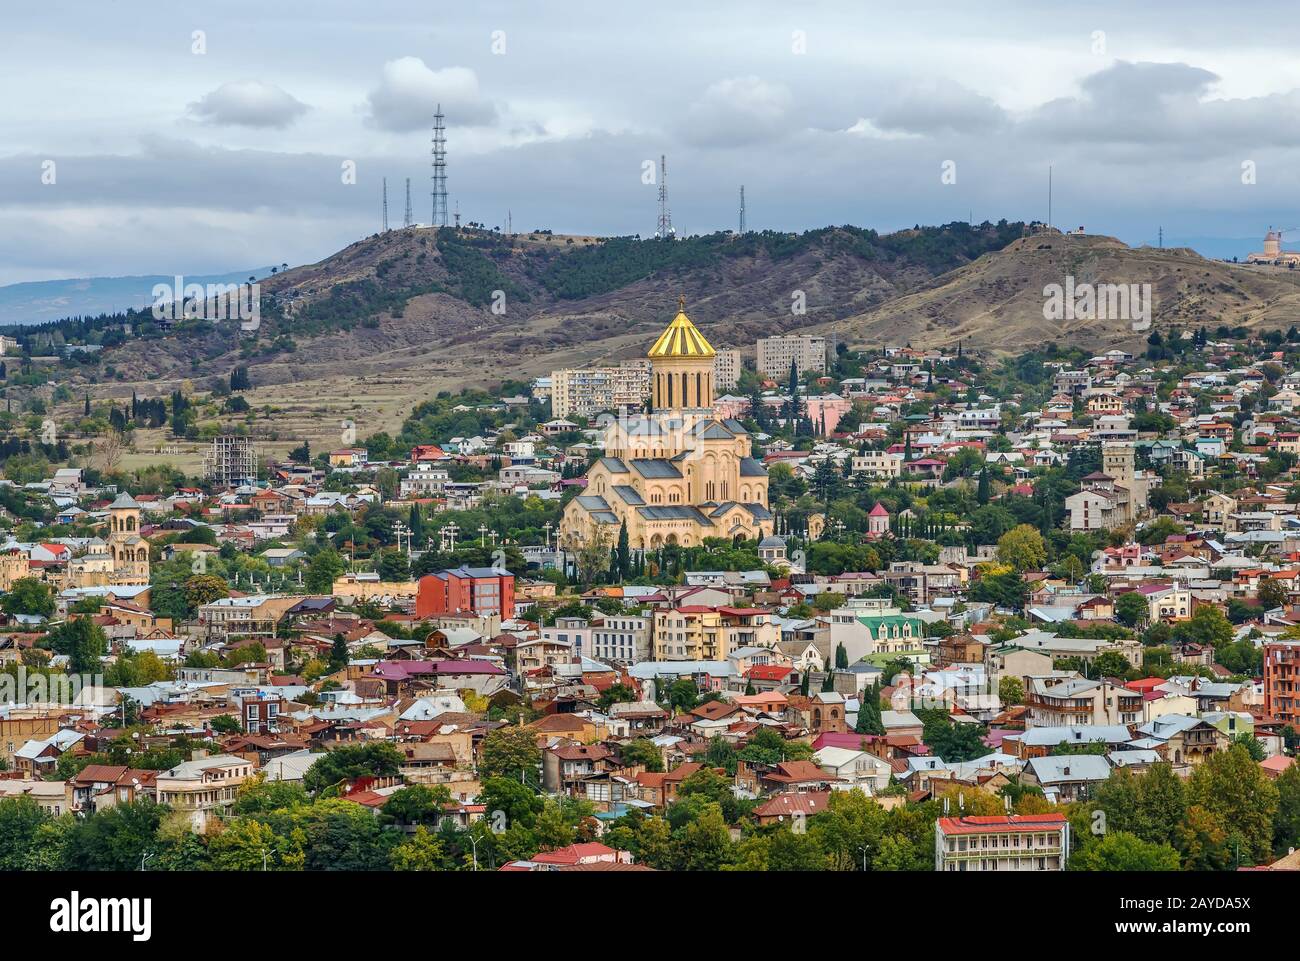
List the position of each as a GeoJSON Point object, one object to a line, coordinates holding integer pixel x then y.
{"type": "Point", "coordinates": [677, 474]}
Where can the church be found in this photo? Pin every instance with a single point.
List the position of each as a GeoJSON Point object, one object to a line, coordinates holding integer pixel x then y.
{"type": "Point", "coordinates": [677, 474]}
{"type": "Point", "coordinates": [121, 560]}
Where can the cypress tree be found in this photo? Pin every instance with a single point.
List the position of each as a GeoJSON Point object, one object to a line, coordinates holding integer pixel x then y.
{"type": "Point", "coordinates": [982, 492]}
{"type": "Point", "coordinates": [623, 552]}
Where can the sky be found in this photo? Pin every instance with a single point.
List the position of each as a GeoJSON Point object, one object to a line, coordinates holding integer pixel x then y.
{"type": "Point", "coordinates": [173, 137]}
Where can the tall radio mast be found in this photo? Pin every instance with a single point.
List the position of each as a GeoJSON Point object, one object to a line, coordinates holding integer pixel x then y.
{"type": "Point", "coordinates": [439, 152]}
{"type": "Point", "coordinates": [665, 228]}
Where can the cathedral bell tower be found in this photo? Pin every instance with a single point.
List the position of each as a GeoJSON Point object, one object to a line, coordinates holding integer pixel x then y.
{"type": "Point", "coordinates": [682, 367]}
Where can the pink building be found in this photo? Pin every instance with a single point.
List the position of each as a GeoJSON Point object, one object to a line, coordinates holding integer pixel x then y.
{"type": "Point", "coordinates": [825, 410]}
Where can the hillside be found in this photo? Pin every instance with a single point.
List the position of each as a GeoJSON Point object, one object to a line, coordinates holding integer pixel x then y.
{"type": "Point", "coordinates": [364, 335]}
{"type": "Point", "coordinates": [996, 302]}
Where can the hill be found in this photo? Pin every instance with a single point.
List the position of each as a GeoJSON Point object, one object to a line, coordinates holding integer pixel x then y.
{"type": "Point", "coordinates": [996, 302]}
{"type": "Point", "coordinates": [357, 340]}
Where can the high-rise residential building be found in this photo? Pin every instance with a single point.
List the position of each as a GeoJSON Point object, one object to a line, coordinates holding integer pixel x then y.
{"type": "Point", "coordinates": [726, 368]}
{"type": "Point", "coordinates": [1282, 681]}
{"type": "Point", "coordinates": [775, 354]}
{"type": "Point", "coordinates": [587, 391]}
{"type": "Point", "coordinates": [231, 460]}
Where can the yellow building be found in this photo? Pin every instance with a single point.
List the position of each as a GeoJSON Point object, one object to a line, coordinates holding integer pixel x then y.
{"type": "Point", "coordinates": [678, 474]}
{"type": "Point", "coordinates": [123, 559]}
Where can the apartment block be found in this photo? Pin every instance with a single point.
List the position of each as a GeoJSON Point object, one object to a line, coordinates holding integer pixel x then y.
{"type": "Point", "coordinates": [466, 590]}
{"type": "Point", "coordinates": [624, 639]}
{"type": "Point", "coordinates": [878, 464]}
{"type": "Point", "coordinates": [726, 368]}
{"type": "Point", "coordinates": [775, 354]}
{"type": "Point", "coordinates": [1282, 681]}
{"type": "Point", "coordinates": [587, 391]}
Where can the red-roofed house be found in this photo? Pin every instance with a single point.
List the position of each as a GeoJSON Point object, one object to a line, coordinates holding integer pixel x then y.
{"type": "Point", "coordinates": [1015, 842]}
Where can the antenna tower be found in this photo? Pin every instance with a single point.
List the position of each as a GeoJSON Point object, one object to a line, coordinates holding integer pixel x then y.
{"type": "Point", "coordinates": [665, 229]}
{"type": "Point", "coordinates": [439, 152]}
{"type": "Point", "coordinates": [742, 208]}
{"type": "Point", "coordinates": [408, 220]}
{"type": "Point", "coordinates": [385, 205]}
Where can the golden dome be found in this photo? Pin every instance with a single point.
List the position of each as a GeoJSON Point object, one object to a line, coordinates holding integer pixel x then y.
{"type": "Point", "coordinates": [681, 338]}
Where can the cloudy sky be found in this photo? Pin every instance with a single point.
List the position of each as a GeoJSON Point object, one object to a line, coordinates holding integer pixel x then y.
{"type": "Point", "coordinates": [192, 137]}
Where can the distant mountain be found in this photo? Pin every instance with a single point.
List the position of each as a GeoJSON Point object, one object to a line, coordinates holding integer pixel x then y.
{"type": "Point", "coordinates": [39, 301]}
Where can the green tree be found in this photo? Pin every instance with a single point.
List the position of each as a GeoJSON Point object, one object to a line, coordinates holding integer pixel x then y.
{"type": "Point", "coordinates": [351, 761]}
{"type": "Point", "coordinates": [1271, 594]}
{"type": "Point", "coordinates": [243, 845]}
{"type": "Point", "coordinates": [1286, 826]}
{"type": "Point", "coordinates": [1232, 787]}
{"type": "Point", "coordinates": [1022, 548]}
{"type": "Point", "coordinates": [870, 720]}
{"type": "Point", "coordinates": [1131, 608]}
{"type": "Point", "coordinates": [643, 751]}
{"type": "Point", "coordinates": [1011, 691]}
{"type": "Point", "coordinates": [705, 843]}
{"type": "Point", "coordinates": [1121, 851]}
{"type": "Point", "coordinates": [323, 570]}
{"type": "Point", "coordinates": [84, 643]}
{"type": "Point", "coordinates": [510, 752]}
{"type": "Point", "coordinates": [20, 819]}
{"type": "Point", "coordinates": [30, 597]}
{"type": "Point", "coordinates": [1207, 627]}
{"type": "Point", "coordinates": [422, 851]}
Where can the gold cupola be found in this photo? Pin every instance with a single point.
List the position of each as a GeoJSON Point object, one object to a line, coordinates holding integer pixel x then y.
{"type": "Point", "coordinates": [682, 362]}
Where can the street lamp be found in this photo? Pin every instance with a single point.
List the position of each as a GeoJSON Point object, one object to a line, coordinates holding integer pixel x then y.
{"type": "Point", "coordinates": [144, 858]}
{"type": "Point", "coordinates": [473, 843]}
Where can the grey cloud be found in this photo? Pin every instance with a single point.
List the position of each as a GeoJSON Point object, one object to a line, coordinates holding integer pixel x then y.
{"type": "Point", "coordinates": [248, 103]}
{"type": "Point", "coordinates": [940, 108]}
{"type": "Point", "coordinates": [736, 112]}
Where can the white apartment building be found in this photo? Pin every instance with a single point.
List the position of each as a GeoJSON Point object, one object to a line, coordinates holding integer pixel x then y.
{"type": "Point", "coordinates": [726, 368]}
{"type": "Point", "coordinates": [424, 481]}
{"type": "Point", "coordinates": [587, 391]}
{"type": "Point", "coordinates": [625, 639]}
{"type": "Point", "coordinates": [878, 464]}
{"type": "Point", "coordinates": [775, 354]}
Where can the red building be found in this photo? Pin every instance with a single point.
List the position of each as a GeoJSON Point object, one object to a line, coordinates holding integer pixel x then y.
{"type": "Point", "coordinates": [466, 590]}
{"type": "Point", "coordinates": [1282, 681]}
